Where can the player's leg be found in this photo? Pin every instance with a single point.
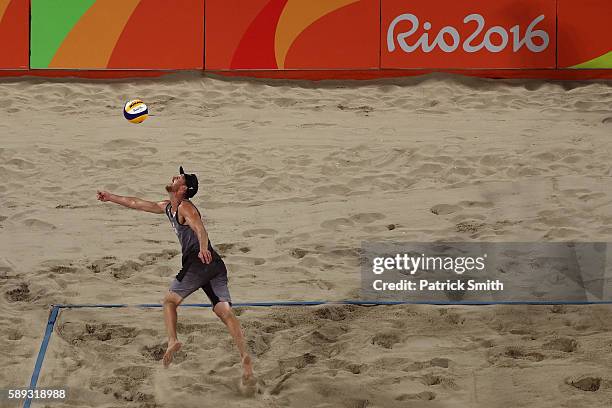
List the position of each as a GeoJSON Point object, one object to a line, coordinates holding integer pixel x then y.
{"type": "Point", "coordinates": [224, 311]}
{"type": "Point", "coordinates": [217, 291]}
{"type": "Point", "coordinates": [179, 290]}
{"type": "Point", "coordinates": [171, 302]}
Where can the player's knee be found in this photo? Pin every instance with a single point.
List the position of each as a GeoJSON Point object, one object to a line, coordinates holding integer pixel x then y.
{"type": "Point", "coordinates": [171, 298]}
{"type": "Point", "coordinates": [223, 310]}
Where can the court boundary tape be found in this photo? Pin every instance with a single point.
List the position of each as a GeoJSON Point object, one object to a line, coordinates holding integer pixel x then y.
{"type": "Point", "coordinates": [55, 309]}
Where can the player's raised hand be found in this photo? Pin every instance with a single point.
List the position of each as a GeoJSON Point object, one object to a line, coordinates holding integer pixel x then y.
{"type": "Point", "coordinates": [103, 195]}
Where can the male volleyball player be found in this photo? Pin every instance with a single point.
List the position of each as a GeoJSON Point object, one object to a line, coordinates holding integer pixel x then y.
{"type": "Point", "coordinates": [202, 267]}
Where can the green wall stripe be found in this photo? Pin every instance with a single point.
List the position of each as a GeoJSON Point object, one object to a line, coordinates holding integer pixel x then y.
{"type": "Point", "coordinates": [605, 61]}
{"type": "Point", "coordinates": [52, 20]}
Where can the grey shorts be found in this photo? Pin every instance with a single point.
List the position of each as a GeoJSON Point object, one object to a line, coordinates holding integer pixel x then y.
{"type": "Point", "coordinates": [211, 278]}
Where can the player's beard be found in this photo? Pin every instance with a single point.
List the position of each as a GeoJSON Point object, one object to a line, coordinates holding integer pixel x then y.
{"type": "Point", "coordinates": [169, 188]}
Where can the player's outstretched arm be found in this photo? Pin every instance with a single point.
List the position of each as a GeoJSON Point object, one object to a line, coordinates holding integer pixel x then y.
{"type": "Point", "coordinates": [133, 202]}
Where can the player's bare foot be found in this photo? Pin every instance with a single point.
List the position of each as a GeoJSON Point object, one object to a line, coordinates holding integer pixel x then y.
{"type": "Point", "coordinates": [247, 370]}
{"type": "Point", "coordinates": [248, 384]}
{"type": "Point", "coordinates": [173, 347]}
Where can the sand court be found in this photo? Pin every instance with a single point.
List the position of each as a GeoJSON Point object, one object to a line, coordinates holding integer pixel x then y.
{"type": "Point", "coordinates": [294, 177]}
{"type": "Point", "coordinates": [336, 355]}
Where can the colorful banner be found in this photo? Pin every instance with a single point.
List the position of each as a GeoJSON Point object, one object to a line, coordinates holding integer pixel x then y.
{"type": "Point", "coordinates": [449, 34]}
{"type": "Point", "coordinates": [14, 34]}
{"type": "Point", "coordinates": [117, 34]}
{"type": "Point", "coordinates": [292, 34]}
{"type": "Point", "coordinates": [585, 34]}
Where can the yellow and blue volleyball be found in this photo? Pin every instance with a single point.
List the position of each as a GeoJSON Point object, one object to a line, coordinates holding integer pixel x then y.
{"type": "Point", "coordinates": [135, 111]}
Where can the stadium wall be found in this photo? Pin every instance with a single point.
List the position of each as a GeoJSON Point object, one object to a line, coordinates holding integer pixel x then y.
{"type": "Point", "coordinates": [312, 39]}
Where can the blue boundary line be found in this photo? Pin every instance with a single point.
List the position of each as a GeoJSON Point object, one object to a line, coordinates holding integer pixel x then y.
{"type": "Point", "coordinates": [349, 302]}
{"type": "Point", "coordinates": [56, 308]}
{"type": "Point", "coordinates": [42, 351]}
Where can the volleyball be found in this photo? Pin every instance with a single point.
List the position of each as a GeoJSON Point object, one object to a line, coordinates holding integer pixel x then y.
{"type": "Point", "coordinates": [135, 111]}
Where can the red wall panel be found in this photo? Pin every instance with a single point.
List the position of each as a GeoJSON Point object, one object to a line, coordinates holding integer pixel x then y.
{"type": "Point", "coordinates": [14, 34]}
{"type": "Point", "coordinates": [292, 34]}
{"type": "Point", "coordinates": [585, 33]}
{"type": "Point", "coordinates": [476, 34]}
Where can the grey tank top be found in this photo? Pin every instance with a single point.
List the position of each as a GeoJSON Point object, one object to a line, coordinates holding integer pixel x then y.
{"type": "Point", "coordinates": [187, 237]}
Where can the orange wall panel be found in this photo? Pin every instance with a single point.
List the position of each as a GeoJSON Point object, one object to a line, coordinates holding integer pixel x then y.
{"type": "Point", "coordinates": [468, 34]}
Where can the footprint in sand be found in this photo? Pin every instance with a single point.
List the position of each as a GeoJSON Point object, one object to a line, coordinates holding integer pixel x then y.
{"type": "Point", "coordinates": [565, 344]}
{"type": "Point", "coordinates": [70, 206]}
{"type": "Point", "coordinates": [443, 209]}
{"type": "Point", "coordinates": [14, 334]}
{"type": "Point", "coordinates": [62, 269]}
{"type": "Point", "coordinates": [469, 226]}
{"type": "Point", "coordinates": [21, 164]}
{"type": "Point", "coordinates": [585, 383]}
{"type": "Point", "coordinates": [124, 388]}
{"type": "Point", "coordinates": [316, 125]}
{"type": "Point", "coordinates": [321, 284]}
{"type": "Point", "coordinates": [251, 172]}
{"type": "Point", "coordinates": [591, 196]}
{"type": "Point", "coordinates": [423, 396]}
{"type": "Point", "coordinates": [337, 223]}
{"type": "Point", "coordinates": [119, 144]}
{"type": "Point", "coordinates": [154, 352]}
{"type": "Point", "coordinates": [334, 313]}
{"type": "Point", "coordinates": [386, 339]}
{"type": "Point", "coordinates": [446, 382]}
{"type": "Point", "coordinates": [143, 151]}
{"type": "Point", "coordinates": [152, 258]}
{"type": "Point", "coordinates": [427, 169]}
{"type": "Point", "coordinates": [126, 269]}
{"type": "Point", "coordinates": [366, 218]}
{"type": "Point", "coordinates": [518, 353]}
{"type": "Point", "coordinates": [137, 373]}
{"type": "Point", "coordinates": [100, 265]}
{"type": "Point", "coordinates": [6, 268]}
{"type": "Point", "coordinates": [325, 335]}
{"type": "Point", "coordinates": [224, 248]}
{"type": "Point", "coordinates": [231, 247]}
{"type": "Point", "coordinates": [351, 367]}
{"type": "Point", "coordinates": [259, 344]}
{"type": "Point", "coordinates": [259, 232]}
{"type": "Point", "coordinates": [298, 253]}
{"type": "Point", "coordinates": [249, 260]}
{"type": "Point", "coordinates": [364, 110]}
{"type": "Point", "coordinates": [476, 204]}
{"type": "Point", "coordinates": [20, 293]}
{"type": "Point", "coordinates": [296, 363]}
{"type": "Point", "coordinates": [298, 237]}
{"type": "Point", "coordinates": [36, 224]}
{"type": "Point", "coordinates": [434, 362]}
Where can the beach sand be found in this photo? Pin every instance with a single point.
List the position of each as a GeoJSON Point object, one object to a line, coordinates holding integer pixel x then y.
{"type": "Point", "coordinates": [293, 177]}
